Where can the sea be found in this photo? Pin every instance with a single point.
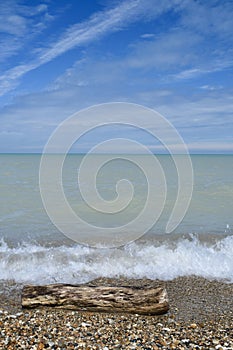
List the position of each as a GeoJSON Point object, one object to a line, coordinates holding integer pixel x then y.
{"type": "Point", "coordinates": [34, 250]}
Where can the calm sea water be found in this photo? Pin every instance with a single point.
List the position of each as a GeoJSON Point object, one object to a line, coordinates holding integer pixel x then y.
{"type": "Point", "coordinates": [33, 250]}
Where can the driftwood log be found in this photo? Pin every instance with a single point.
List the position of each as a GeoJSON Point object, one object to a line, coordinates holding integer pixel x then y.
{"type": "Point", "coordinates": [145, 301]}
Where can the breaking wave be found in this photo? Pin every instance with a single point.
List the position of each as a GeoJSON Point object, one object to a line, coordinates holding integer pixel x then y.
{"type": "Point", "coordinates": [34, 263]}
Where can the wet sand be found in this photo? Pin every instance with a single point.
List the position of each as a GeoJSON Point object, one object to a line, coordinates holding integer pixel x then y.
{"type": "Point", "coordinates": [200, 317]}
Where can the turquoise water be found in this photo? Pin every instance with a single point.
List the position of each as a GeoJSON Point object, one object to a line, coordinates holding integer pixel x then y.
{"type": "Point", "coordinates": [32, 248]}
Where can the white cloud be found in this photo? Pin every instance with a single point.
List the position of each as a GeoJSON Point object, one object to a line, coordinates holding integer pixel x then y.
{"type": "Point", "coordinates": [199, 147]}
{"type": "Point", "coordinates": [152, 72]}
{"type": "Point", "coordinates": [211, 87]}
{"type": "Point", "coordinates": [197, 118]}
{"type": "Point", "coordinates": [166, 51]}
{"type": "Point", "coordinates": [16, 18]}
{"type": "Point", "coordinates": [175, 47]}
{"type": "Point", "coordinates": [13, 24]}
{"type": "Point", "coordinates": [17, 22]}
{"type": "Point", "coordinates": [209, 17]}
{"type": "Point", "coordinates": [197, 44]}
{"type": "Point", "coordinates": [147, 36]}
{"type": "Point", "coordinates": [98, 25]}
{"type": "Point", "coordinates": [207, 67]}
{"type": "Point", "coordinates": [211, 146]}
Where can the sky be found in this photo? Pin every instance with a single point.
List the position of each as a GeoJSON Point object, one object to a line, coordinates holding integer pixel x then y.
{"type": "Point", "coordinates": [58, 57]}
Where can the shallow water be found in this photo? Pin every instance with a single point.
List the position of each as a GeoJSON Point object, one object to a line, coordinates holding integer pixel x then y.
{"type": "Point", "coordinates": [32, 248]}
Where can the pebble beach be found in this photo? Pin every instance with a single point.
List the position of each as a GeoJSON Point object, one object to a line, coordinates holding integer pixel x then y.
{"type": "Point", "coordinates": [200, 317]}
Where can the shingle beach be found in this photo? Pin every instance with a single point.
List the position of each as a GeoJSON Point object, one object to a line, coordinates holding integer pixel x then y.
{"type": "Point", "coordinates": [200, 317]}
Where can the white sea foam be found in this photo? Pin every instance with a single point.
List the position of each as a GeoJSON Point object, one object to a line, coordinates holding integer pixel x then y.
{"type": "Point", "coordinates": [38, 264]}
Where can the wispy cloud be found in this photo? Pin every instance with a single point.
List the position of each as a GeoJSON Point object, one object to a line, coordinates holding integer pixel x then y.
{"type": "Point", "coordinates": [16, 18]}
{"type": "Point", "coordinates": [198, 43]}
{"type": "Point", "coordinates": [19, 24]}
{"type": "Point", "coordinates": [211, 87]}
{"type": "Point", "coordinates": [171, 64]}
{"type": "Point", "coordinates": [147, 36]}
{"type": "Point", "coordinates": [165, 51]}
{"type": "Point", "coordinates": [172, 48]}
{"type": "Point", "coordinates": [197, 147]}
{"type": "Point", "coordinates": [213, 67]}
{"type": "Point", "coordinates": [97, 26]}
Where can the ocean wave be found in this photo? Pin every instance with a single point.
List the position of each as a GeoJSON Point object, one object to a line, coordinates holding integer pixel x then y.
{"type": "Point", "coordinates": [34, 263]}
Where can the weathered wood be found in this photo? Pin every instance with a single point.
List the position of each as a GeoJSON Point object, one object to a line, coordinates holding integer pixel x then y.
{"type": "Point", "coordinates": [147, 301]}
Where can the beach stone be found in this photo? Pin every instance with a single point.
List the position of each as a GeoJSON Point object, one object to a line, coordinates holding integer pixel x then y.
{"type": "Point", "coordinates": [34, 329]}
{"type": "Point", "coordinates": [193, 325]}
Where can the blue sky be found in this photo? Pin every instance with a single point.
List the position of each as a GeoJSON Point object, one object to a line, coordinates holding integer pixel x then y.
{"type": "Point", "coordinates": [175, 56]}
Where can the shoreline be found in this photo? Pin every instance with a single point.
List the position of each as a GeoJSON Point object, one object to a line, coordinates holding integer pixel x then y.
{"type": "Point", "coordinates": [201, 313]}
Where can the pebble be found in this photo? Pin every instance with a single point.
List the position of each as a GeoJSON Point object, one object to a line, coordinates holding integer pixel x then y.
{"type": "Point", "coordinates": [57, 329]}
{"type": "Point", "coordinates": [193, 325]}
{"type": "Point", "coordinates": [188, 325]}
